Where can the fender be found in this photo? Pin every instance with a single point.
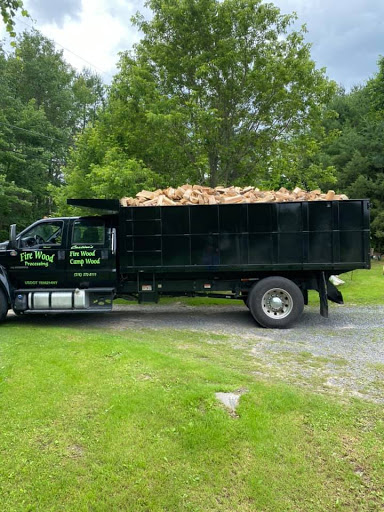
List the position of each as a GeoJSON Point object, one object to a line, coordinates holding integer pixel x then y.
{"type": "Point", "coordinates": [4, 284]}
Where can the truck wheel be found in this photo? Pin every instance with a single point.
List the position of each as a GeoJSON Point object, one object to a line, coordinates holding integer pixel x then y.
{"type": "Point", "coordinates": [3, 306]}
{"type": "Point", "coordinates": [276, 302]}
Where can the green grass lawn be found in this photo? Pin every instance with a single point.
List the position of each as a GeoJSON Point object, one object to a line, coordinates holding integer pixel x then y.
{"type": "Point", "coordinates": [361, 287]}
{"type": "Point", "coordinates": [364, 286]}
{"type": "Point", "coordinates": [96, 420]}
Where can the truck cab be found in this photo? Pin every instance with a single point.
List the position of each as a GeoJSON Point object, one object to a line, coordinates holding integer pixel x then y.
{"type": "Point", "coordinates": [60, 264]}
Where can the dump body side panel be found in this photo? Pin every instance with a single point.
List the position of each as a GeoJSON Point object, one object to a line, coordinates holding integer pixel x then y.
{"type": "Point", "coordinates": [271, 237]}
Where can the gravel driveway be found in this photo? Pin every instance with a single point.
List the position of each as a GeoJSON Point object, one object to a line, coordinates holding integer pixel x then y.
{"type": "Point", "coordinates": [343, 354]}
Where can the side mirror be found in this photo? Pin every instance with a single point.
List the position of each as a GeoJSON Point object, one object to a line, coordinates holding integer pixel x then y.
{"type": "Point", "coordinates": [12, 237]}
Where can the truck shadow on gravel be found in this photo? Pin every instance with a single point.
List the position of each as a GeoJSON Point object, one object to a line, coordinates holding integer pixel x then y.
{"type": "Point", "coordinates": [226, 318]}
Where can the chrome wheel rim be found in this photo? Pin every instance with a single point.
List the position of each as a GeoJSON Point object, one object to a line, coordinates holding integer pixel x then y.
{"type": "Point", "coordinates": [277, 303]}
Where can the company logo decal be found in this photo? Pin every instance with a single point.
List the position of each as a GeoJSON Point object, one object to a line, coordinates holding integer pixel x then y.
{"type": "Point", "coordinates": [85, 256]}
{"type": "Point", "coordinates": [37, 259]}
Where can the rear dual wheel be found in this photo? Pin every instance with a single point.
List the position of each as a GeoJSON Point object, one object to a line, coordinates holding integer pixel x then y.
{"type": "Point", "coordinates": [275, 302]}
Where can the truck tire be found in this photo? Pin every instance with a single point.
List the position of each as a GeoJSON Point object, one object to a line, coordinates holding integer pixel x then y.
{"type": "Point", "coordinates": [276, 302]}
{"type": "Point", "coordinates": [3, 306]}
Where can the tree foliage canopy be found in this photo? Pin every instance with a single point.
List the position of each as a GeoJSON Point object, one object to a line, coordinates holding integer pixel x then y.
{"type": "Point", "coordinates": [357, 153]}
{"type": "Point", "coordinates": [43, 105]}
{"type": "Point", "coordinates": [216, 92]}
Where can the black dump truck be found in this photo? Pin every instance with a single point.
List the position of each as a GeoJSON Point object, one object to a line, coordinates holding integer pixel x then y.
{"type": "Point", "coordinates": [267, 254]}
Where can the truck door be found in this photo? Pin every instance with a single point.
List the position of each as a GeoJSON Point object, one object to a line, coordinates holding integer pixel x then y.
{"type": "Point", "coordinates": [91, 256]}
{"type": "Point", "coordinates": [39, 260]}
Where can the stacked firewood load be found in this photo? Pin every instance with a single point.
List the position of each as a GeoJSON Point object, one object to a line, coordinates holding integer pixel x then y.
{"type": "Point", "coordinates": [196, 194]}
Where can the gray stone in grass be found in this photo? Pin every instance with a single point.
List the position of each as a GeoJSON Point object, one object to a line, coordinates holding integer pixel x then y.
{"type": "Point", "coordinates": [230, 400]}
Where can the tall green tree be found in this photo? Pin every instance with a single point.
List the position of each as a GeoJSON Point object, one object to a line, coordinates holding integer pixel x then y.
{"type": "Point", "coordinates": [14, 205]}
{"type": "Point", "coordinates": [41, 111]}
{"type": "Point", "coordinates": [40, 73]}
{"type": "Point", "coordinates": [243, 75]}
{"type": "Point", "coordinates": [89, 91]}
{"type": "Point", "coordinates": [358, 153]}
{"type": "Point", "coordinates": [216, 92]}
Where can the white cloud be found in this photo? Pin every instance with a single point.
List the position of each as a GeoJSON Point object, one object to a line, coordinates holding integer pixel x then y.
{"type": "Point", "coordinates": [347, 36]}
{"type": "Point", "coordinates": [100, 30]}
{"type": "Point", "coordinates": [54, 12]}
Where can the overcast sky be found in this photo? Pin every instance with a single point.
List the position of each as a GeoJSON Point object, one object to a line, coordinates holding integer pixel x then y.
{"type": "Point", "coordinates": [347, 35]}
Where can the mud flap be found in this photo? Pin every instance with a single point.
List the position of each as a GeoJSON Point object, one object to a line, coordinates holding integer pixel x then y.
{"type": "Point", "coordinates": [327, 290]}
{"type": "Point", "coordinates": [334, 294]}
{"type": "Point", "coordinates": [322, 288]}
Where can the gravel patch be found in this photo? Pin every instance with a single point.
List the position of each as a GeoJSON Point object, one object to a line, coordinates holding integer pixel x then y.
{"type": "Point", "coordinates": [343, 354]}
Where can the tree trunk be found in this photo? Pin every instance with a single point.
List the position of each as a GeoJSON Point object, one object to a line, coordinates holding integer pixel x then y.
{"type": "Point", "coordinates": [213, 168]}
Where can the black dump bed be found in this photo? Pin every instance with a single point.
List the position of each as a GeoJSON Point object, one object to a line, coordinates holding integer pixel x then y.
{"type": "Point", "coordinates": [316, 235]}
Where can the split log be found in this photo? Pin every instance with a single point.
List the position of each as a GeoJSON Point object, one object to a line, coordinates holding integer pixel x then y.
{"type": "Point", "coordinates": [202, 195]}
